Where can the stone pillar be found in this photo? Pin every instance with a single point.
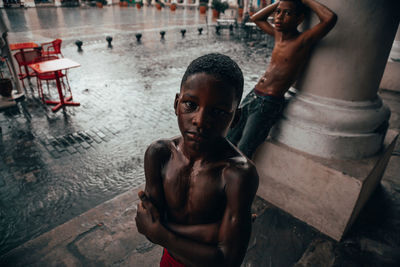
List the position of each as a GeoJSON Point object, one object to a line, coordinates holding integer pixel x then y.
{"type": "Point", "coordinates": [335, 116]}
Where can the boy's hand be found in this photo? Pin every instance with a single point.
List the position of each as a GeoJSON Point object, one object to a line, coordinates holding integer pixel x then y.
{"type": "Point", "coordinates": [149, 206]}
{"type": "Point", "coordinates": [145, 223]}
{"type": "Point", "coordinates": [147, 219]}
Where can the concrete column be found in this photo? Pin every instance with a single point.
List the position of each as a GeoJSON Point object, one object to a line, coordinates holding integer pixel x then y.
{"type": "Point", "coordinates": [337, 113]}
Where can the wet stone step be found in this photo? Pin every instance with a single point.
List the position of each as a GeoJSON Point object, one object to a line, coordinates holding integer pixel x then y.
{"type": "Point", "coordinates": [77, 138]}
{"type": "Point", "coordinates": [76, 142]}
{"type": "Point", "coordinates": [85, 136]}
{"type": "Point", "coordinates": [69, 139]}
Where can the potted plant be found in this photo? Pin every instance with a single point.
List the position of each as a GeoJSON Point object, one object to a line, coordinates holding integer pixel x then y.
{"type": "Point", "coordinates": [203, 6]}
{"type": "Point", "coordinates": [159, 4]}
{"type": "Point", "coordinates": [218, 7]}
{"type": "Point", "coordinates": [173, 6]}
{"type": "Point", "coordinates": [100, 3]}
{"type": "Point", "coordinates": [252, 11]}
{"type": "Point", "coordinates": [139, 4]}
{"type": "Point", "coordinates": [240, 11]}
{"type": "Point", "coordinates": [5, 87]}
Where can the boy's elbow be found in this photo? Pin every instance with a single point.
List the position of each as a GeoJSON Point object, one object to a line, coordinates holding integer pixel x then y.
{"type": "Point", "coordinates": [333, 19]}
{"type": "Point", "coordinates": [330, 21]}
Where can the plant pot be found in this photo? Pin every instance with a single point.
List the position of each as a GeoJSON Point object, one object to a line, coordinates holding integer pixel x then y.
{"type": "Point", "coordinates": [138, 6]}
{"type": "Point", "coordinates": [240, 12]}
{"type": "Point", "coordinates": [203, 9]}
{"type": "Point", "coordinates": [5, 87]}
{"type": "Point", "coordinates": [215, 13]}
{"type": "Point", "coordinates": [158, 6]}
{"type": "Point", "coordinates": [99, 4]}
{"type": "Point", "coordinates": [172, 7]}
{"type": "Point", "coordinates": [124, 4]}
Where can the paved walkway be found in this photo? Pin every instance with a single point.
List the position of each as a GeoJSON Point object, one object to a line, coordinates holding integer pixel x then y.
{"type": "Point", "coordinates": [58, 169]}
{"type": "Point", "coordinates": [55, 166]}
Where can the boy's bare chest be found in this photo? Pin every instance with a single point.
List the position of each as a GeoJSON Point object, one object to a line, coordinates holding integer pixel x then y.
{"type": "Point", "coordinates": [286, 54]}
{"type": "Point", "coordinates": [194, 195]}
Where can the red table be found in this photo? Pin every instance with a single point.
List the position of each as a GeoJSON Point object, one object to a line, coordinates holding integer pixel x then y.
{"type": "Point", "coordinates": [21, 47]}
{"type": "Point", "coordinates": [55, 66]}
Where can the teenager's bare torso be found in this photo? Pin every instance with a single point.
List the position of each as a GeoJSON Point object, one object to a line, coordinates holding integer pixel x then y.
{"type": "Point", "coordinates": [287, 61]}
{"type": "Point", "coordinates": [194, 192]}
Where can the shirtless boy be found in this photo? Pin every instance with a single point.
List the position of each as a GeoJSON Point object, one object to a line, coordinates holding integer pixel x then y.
{"type": "Point", "coordinates": [262, 107]}
{"type": "Point", "coordinates": [199, 188]}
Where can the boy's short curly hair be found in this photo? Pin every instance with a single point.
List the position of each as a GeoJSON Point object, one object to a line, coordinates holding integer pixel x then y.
{"type": "Point", "coordinates": [300, 7]}
{"type": "Point", "coordinates": [221, 67]}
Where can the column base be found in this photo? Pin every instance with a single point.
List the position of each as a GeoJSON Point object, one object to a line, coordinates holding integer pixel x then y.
{"type": "Point", "coordinates": [333, 128]}
{"type": "Point", "coordinates": [327, 194]}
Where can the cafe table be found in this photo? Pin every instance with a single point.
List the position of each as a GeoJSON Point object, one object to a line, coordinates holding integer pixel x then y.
{"type": "Point", "coordinates": [55, 66]}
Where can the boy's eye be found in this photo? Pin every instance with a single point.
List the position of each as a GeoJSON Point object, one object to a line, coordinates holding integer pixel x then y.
{"type": "Point", "coordinates": [287, 12]}
{"type": "Point", "coordinates": [189, 105]}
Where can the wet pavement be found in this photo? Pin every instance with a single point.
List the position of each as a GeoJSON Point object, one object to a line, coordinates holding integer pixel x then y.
{"type": "Point", "coordinates": [55, 166]}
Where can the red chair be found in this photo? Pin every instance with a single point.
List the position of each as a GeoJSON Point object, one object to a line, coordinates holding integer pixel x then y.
{"type": "Point", "coordinates": [24, 59]}
{"type": "Point", "coordinates": [52, 48]}
{"type": "Point", "coordinates": [49, 76]}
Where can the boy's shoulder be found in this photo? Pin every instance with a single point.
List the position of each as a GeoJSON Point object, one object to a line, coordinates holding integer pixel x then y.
{"type": "Point", "coordinates": [240, 177]}
{"type": "Point", "coordinates": [161, 148]}
{"type": "Point", "coordinates": [240, 167]}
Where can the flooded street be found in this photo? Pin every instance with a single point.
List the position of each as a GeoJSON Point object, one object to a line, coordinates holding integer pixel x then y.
{"type": "Point", "coordinates": [55, 166]}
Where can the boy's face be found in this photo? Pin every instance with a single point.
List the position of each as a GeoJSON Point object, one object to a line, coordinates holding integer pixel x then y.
{"type": "Point", "coordinates": [205, 108]}
{"type": "Point", "coordinates": [286, 18]}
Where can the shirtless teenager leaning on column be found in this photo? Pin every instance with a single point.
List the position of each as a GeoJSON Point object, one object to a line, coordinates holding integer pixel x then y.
{"type": "Point", "coordinates": [262, 107]}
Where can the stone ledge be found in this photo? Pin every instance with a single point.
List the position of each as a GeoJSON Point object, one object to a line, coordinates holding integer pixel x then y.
{"type": "Point", "coordinates": [103, 236]}
{"type": "Point", "coordinates": [390, 80]}
{"type": "Point", "coordinates": [326, 194]}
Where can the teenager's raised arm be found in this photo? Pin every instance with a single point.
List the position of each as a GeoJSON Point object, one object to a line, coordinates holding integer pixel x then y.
{"type": "Point", "coordinates": [261, 18]}
{"type": "Point", "coordinates": [327, 21]}
{"type": "Point", "coordinates": [234, 232]}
